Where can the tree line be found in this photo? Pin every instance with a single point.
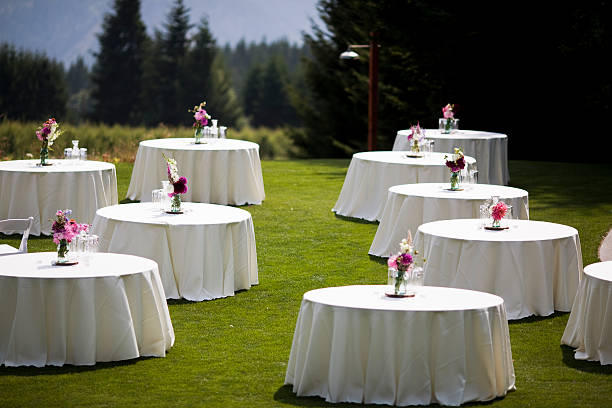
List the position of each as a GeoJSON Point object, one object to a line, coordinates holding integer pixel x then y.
{"type": "Point", "coordinates": [536, 73]}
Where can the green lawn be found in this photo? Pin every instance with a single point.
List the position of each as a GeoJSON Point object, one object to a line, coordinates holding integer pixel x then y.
{"type": "Point", "coordinates": [233, 352]}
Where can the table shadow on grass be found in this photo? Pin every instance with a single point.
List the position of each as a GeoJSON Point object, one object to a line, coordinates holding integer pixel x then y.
{"type": "Point", "coordinates": [30, 371]}
{"type": "Point", "coordinates": [285, 395]}
{"type": "Point", "coordinates": [583, 365]}
{"type": "Point", "coordinates": [537, 319]}
{"type": "Point", "coordinates": [355, 220]}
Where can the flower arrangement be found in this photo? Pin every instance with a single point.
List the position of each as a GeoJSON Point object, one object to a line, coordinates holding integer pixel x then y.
{"type": "Point", "coordinates": [201, 119]}
{"type": "Point", "coordinates": [47, 133]}
{"type": "Point", "coordinates": [402, 267]}
{"type": "Point", "coordinates": [456, 163]}
{"type": "Point", "coordinates": [448, 121]}
{"type": "Point", "coordinates": [64, 230]}
{"type": "Point", "coordinates": [178, 182]}
{"type": "Point", "coordinates": [498, 211]}
{"type": "Point", "coordinates": [415, 138]}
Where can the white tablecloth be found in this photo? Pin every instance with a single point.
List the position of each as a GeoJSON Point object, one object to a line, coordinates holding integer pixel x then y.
{"type": "Point", "coordinates": [534, 266]}
{"type": "Point", "coordinates": [489, 149]}
{"type": "Point", "coordinates": [112, 309]}
{"type": "Point", "coordinates": [410, 205]}
{"type": "Point", "coordinates": [589, 328]}
{"type": "Point", "coordinates": [222, 171]}
{"type": "Point", "coordinates": [446, 346]}
{"type": "Point", "coordinates": [206, 253]}
{"type": "Point", "coordinates": [31, 191]}
{"type": "Point", "coordinates": [370, 174]}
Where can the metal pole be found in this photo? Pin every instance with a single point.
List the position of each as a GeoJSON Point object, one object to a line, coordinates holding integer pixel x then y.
{"type": "Point", "coordinates": [373, 93]}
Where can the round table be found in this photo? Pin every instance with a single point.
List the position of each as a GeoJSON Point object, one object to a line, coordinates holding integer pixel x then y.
{"type": "Point", "coordinates": [445, 346]}
{"type": "Point", "coordinates": [370, 174]}
{"type": "Point", "coordinates": [489, 149]}
{"type": "Point", "coordinates": [410, 205]}
{"type": "Point", "coordinates": [534, 266]}
{"type": "Point", "coordinates": [589, 327]}
{"type": "Point", "coordinates": [221, 171]}
{"type": "Point", "coordinates": [29, 190]}
{"type": "Point", "coordinates": [207, 252]}
{"type": "Point", "coordinates": [111, 309]}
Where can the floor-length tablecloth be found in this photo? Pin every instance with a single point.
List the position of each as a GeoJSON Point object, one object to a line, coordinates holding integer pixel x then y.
{"type": "Point", "coordinates": [370, 174]}
{"type": "Point", "coordinates": [534, 266]}
{"type": "Point", "coordinates": [205, 253]}
{"type": "Point", "coordinates": [221, 171]}
{"type": "Point", "coordinates": [489, 149]}
{"type": "Point", "coordinates": [111, 308]}
{"type": "Point", "coordinates": [445, 346]}
{"type": "Point", "coordinates": [29, 190]}
{"type": "Point", "coordinates": [410, 205]}
{"type": "Point", "coordinates": [589, 328]}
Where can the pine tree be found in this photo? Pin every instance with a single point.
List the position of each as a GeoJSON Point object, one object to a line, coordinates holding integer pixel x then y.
{"type": "Point", "coordinates": [117, 73]}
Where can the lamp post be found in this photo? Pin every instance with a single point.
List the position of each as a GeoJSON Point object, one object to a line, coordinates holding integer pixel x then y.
{"type": "Point", "coordinates": [372, 87]}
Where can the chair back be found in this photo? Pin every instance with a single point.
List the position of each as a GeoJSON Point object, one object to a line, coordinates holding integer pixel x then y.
{"type": "Point", "coordinates": [12, 226]}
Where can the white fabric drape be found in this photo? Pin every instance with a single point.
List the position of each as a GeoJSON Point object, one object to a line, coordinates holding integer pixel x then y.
{"type": "Point", "coordinates": [410, 205]}
{"type": "Point", "coordinates": [111, 309]}
{"type": "Point", "coordinates": [32, 191]}
{"type": "Point", "coordinates": [370, 174]}
{"type": "Point", "coordinates": [222, 171]}
{"type": "Point", "coordinates": [489, 149]}
{"type": "Point", "coordinates": [445, 346]}
{"type": "Point", "coordinates": [534, 266]}
{"type": "Point", "coordinates": [205, 253]}
{"type": "Point", "coordinates": [589, 328]}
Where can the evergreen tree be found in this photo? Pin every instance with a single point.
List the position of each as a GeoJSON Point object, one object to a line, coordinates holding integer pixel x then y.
{"type": "Point", "coordinates": [117, 73]}
{"type": "Point", "coordinates": [173, 86]}
{"type": "Point", "coordinates": [77, 76]}
{"type": "Point", "coordinates": [32, 87]}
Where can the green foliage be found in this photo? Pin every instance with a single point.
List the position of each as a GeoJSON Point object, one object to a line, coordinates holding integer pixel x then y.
{"type": "Point", "coordinates": [32, 86]}
{"type": "Point", "coordinates": [504, 69]}
{"type": "Point", "coordinates": [233, 352]}
{"type": "Point", "coordinates": [120, 143]}
{"type": "Point", "coordinates": [118, 72]}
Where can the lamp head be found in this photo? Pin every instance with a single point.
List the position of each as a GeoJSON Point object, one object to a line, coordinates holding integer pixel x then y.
{"type": "Point", "coordinates": [349, 55]}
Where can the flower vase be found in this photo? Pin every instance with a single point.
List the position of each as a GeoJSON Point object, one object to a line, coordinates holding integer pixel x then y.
{"type": "Point", "coordinates": [44, 153]}
{"type": "Point", "coordinates": [62, 251]}
{"type": "Point", "coordinates": [447, 125]}
{"type": "Point", "coordinates": [414, 148]}
{"type": "Point", "coordinates": [175, 204]}
{"type": "Point", "coordinates": [199, 134]}
{"type": "Point", "coordinates": [398, 280]}
{"type": "Point", "coordinates": [454, 180]}
{"type": "Point", "coordinates": [496, 223]}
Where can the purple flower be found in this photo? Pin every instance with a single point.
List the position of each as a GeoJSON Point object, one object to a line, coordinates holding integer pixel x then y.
{"type": "Point", "coordinates": [405, 259]}
{"type": "Point", "coordinates": [180, 187]}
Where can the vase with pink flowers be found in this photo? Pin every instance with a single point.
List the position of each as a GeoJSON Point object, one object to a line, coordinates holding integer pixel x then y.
{"type": "Point", "coordinates": [64, 230]}
{"type": "Point", "coordinates": [179, 185]}
{"type": "Point", "coordinates": [416, 138]}
{"type": "Point", "coordinates": [201, 120]}
{"type": "Point", "coordinates": [47, 133]}
{"type": "Point", "coordinates": [456, 163]}
{"type": "Point", "coordinates": [404, 273]}
{"type": "Point", "coordinates": [448, 122]}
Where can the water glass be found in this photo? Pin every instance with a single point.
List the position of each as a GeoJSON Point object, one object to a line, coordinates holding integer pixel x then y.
{"type": "Point", "coordinates": [484, 215]}
{"type": "Point", "coordinates": [83, 153]}
{"type": "Point", "coordinates": [68, 153]}
{"type": "Point", "coordinates": [157, 199]}
{"type": "Point", "coordinates": [222, 130]}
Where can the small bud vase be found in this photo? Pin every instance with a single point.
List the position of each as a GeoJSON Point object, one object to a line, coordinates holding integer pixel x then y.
{"type": "Point", "coordinates": [454, 180]}
{"type": "Point", "coordinates": [44, 153]}
{"type": "Point", "coordinates": [447, 125]}
{"type": "Point", "coordinates": [199, 134]}
{"type": "Point", "coordinates": [62, 251]}
{"type": "Point", "coordinates": [175, 204]}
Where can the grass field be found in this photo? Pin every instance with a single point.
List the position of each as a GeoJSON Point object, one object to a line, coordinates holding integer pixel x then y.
{"type": "Point", "coordinates": [233, 352]}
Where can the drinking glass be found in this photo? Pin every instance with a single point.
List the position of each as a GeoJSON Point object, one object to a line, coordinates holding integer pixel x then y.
{"type": "Point", "coordinates": [83, 153]}
{"type": "Point", "coordinates": [484, 215]}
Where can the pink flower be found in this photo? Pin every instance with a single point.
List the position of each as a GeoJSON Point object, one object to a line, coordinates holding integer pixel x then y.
{"type": "Point", "coordinates": [405, 259]}
{"type": "Point", "coordinates": [180, 187]}
{"type": "Point", "coordinates": [447, 111]}
{"type": "Point", "coordinates": [201, 116]}
{"type": "Point", "coordinates": [39, 135]}
{"type": "Point", "coordinates": [499, 210]}
{"type": "Point", "coordinates": [392, 262]}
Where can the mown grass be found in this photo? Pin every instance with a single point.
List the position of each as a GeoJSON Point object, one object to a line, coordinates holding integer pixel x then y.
{"type": "Point", "coordinates": [233, 352]}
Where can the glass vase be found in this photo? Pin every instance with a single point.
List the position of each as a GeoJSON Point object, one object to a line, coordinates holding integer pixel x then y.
{"type": "Point", "coordinates": [44, 153]}
{"type": "Point", "coordinates": [496, 223]}
{"type": "Point", "coordinates": [447, 125]}
{"type": "Point", "coordinates": [175, 203]}
{"type": "Point", "coordinates": [199, 134]}
{"type": "Point", "coordinates": [62, 251]}
{"type": "Point", "coordinates": [454, 180]}
{"type": "Point", "coordinates": [399, 282]}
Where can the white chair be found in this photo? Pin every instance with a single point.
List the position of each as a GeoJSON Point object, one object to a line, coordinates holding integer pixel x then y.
{"type": "Point", "coordinates": [14, 226]}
